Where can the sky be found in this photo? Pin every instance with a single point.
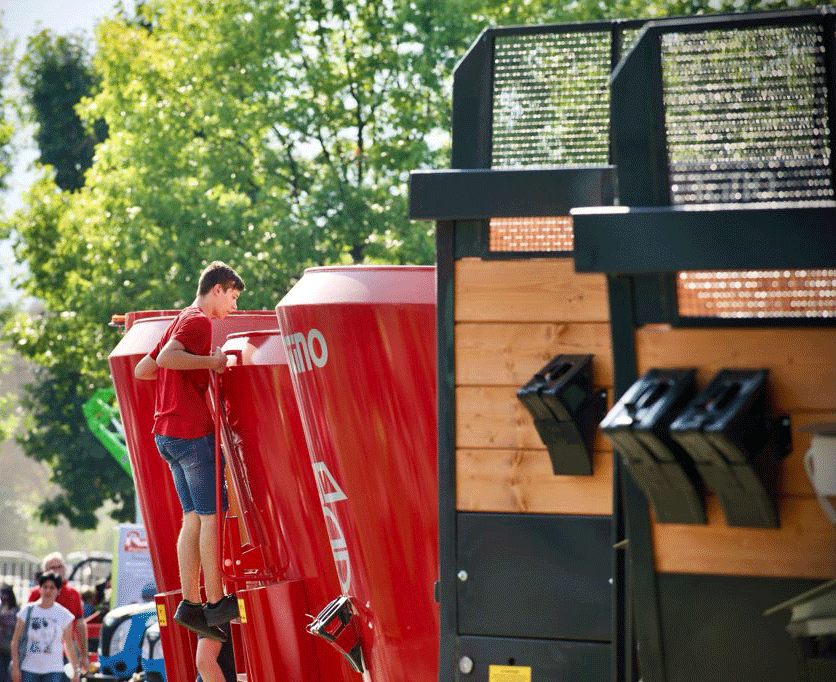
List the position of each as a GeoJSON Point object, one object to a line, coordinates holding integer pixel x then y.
{"type": "Point", "coordinates": [21, 19]}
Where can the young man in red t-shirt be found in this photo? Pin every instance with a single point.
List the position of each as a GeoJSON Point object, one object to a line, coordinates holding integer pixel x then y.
{"type": "Point", "coordinates": [69, 598]}
{"type": "Point", "coordinates": [185, 436]}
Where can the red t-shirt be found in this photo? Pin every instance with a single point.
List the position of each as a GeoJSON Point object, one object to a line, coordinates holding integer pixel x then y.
{"type": "Point", "coordinates": [68, 597]}
{"type": "Point", "coordinates": [180, 409]}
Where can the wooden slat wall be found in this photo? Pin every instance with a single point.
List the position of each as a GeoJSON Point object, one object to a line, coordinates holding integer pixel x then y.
{"type": "Point", "coordinates": [512, 317]}
{"type": "Point", "coordinates": [802, 369]}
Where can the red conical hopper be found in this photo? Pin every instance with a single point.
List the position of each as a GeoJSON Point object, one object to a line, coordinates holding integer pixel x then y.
{"type": "Point", "coordinates": [271, 469]}
{"type": "Point", "coordinates": [361, 345]}
{"type": "Point", "coordinates": [157, 498]}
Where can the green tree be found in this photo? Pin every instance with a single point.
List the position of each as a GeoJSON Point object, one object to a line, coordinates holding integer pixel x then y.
{"type": "Point", "coordinates": [274, 136]}
{"type": "Point", "coordinates": [7, 416]}
{"type": "Point", "coordinates": [271, 136]}
{"type": "Point", "coordinates": [55, 74]}
{"type": "Point", "coordinates": [6, 129]}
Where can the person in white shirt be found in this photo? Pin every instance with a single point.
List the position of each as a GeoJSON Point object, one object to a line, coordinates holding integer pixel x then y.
{"type": "Point", "coordinates": [49, 625]}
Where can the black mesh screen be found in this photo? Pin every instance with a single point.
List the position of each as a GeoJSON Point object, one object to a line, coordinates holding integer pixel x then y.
{"type": "Point", "coordinates": [551, 99]}
{"type": "Point", "coordinates": [746, 115]}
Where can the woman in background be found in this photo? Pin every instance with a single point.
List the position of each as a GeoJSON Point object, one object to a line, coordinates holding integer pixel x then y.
{"type": "Point", "coordinates": [8, 612]}
{"type": "Point", "coordinates": [48, 625]}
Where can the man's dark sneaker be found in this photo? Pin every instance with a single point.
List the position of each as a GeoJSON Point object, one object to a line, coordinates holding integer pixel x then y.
{"type": "Point", "coordinates": [221, 612]}
{"type": "Point", "coordinates": [191, 617]}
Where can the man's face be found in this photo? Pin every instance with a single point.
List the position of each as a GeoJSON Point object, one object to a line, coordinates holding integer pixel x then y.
{"type": "Point", "coordinates": [225, 301]}
{"type": "Point", "coordinates": [56, 566]}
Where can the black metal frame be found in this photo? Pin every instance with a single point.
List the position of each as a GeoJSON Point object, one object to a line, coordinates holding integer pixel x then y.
{"type": "Point", "coordinates": [639, 143]}
{"type": "Point", "coordinates": [644, 294]}
{"type": "Point", "coordinates": [638, 138]}
{"type": "Point", "coordinates": [462, 231]}
{"type": "Point", "coordinates": [447, 539]}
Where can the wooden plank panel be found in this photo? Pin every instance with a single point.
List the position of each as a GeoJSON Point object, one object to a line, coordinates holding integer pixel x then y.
{"type": "Point", "coordinates": [528, 291]}
{"type": "Point", "coordinates": [493, 417]}
{"type": "Point", "coordinates": [803, 547]}
{"type": "Point", "coordinates": [522, 481]}
{"type": "Point", "coordinates": [801, 362]}
{"type": "Point", "coordinates": [498, 354]}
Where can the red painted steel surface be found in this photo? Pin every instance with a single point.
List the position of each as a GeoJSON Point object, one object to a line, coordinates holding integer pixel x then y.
{"type": "Point", "coordinates": [158, 503]}
{"type": "Point", "coordinates": [361, 343]}
{"type": "Point", "coordinates": [273, 629]}
{"type": "Point", "coordinates": [271, 471]}
{"type": "Point", "coordinates": [178, 643]}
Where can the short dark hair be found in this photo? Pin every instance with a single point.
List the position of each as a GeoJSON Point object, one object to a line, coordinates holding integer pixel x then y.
{"type": "Point", "coordinates": [54, 577]}
{"type": "Point", "coordinates": [218, 272]}
{"type": "Point", "coordinates": [8, 590]}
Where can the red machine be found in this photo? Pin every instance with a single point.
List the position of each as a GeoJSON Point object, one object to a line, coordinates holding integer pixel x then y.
{"type": "Point", "coordinates": [361, 348]}
{"type": "Point", "coordinates": [156, 495]}
{"type": "Point", "coordinates": [287, 547]}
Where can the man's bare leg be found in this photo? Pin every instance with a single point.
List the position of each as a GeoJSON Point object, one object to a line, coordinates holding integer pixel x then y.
{"type": "Point", "coordinates": [188, 556]}
{"type": "Point", "coordinates": [209, 561]}
{"type": "Point", "coordinates": [206, 659]}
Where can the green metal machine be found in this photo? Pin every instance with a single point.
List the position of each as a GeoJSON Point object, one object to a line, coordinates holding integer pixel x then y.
{"type": "Point", "coordinates": [103, 419]}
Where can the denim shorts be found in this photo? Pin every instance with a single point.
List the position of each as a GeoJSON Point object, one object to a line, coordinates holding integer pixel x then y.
{"type": "Point", "coordinates": [192, 464]}
{"type": "Point", "coordinates": [26, 676]}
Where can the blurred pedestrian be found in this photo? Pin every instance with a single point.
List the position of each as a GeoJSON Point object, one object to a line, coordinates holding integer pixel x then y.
{"type": "Point", "coordinates": [88, 602]}
{"type": "Point", "coordinates": [42, 625]}
{"type": "Point", "coordinates": [216, 660]}
{"type": "Point", "coordinates": [69, 598]}
{"type": "Point", "coordinates": [8, 614]}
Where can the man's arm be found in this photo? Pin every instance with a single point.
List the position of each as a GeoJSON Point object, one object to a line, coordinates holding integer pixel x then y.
{"type": "Point", "coordinates": [69, 647]}
{"type": "Point", "coordinates": [146, 369]}
{"type": "Point", "coordinates": [175, 356]}
{"type": "Point", "coordinates": [81, 631]}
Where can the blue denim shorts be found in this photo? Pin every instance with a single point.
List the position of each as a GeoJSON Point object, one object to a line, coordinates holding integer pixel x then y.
{"type": "Point", "coordinates": [26, 676]}
{"type": "Point", "coordinates": [192, 464]}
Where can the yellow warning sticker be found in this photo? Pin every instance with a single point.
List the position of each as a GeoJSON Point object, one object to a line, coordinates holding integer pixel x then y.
{"type": "Point", "coordinates": [509, 673]}
{"type": "Point", "coordinates": [161, 615]}
{"type": "Point", "coordinates": [242, 612]}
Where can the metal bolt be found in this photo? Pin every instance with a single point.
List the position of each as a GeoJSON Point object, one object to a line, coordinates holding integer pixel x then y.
{"type": "Point", "coordinates": [465, 665]}
{"type": "Point", "coordinates": [462, 575]}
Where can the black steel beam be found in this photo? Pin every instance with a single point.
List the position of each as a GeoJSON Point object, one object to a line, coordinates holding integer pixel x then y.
{"type": "Point", "coordinates": [710, 237]}
{"type": "Point", "coordinates": [480, 194]}
{"type": "Point", "coordinates": [447, 541]}
{"type": "Point", "coordinates": [473, 106]}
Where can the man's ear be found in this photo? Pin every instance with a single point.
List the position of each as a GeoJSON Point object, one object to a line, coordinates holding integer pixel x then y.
{"type": "Point", "coordinates": [217, 289]}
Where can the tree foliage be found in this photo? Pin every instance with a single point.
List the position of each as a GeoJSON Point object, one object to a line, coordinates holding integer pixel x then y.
{"type": "Point", "coordinates": [274, 136]}
{"type": "Point", "coordinates": [6, 129]}
{"type": "Point", "coordinates": [55, 75]}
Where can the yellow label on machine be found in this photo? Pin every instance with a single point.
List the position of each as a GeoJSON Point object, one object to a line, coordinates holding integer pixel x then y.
{"type": "Point", "coordinates": [242, 612]}
{"type": "Point", "coordinates": [161, 615]}
{"type": "Point", "coordinates": [509, 673]}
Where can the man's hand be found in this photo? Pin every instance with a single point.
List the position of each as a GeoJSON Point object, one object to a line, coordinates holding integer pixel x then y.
{"type": "Point", "coordinates": [219, 357]}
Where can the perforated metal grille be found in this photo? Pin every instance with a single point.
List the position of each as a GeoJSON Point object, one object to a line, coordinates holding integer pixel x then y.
{"type": "Point", "coordinates": [746, 115]}
{"type": "Point", "coordinates": [551, 100]}
{"type": "Point", "coordinates": [531, 234]}
{"type": "Point", "coordinates": [761, 293]}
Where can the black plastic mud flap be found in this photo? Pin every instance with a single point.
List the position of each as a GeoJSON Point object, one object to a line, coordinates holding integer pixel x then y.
{"type": "Point", "coordinates": [638, 428]}
{"type": "Point", "coordinates": [737, 446]}
{"type": "Point", "coordinates": [566, 411]}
